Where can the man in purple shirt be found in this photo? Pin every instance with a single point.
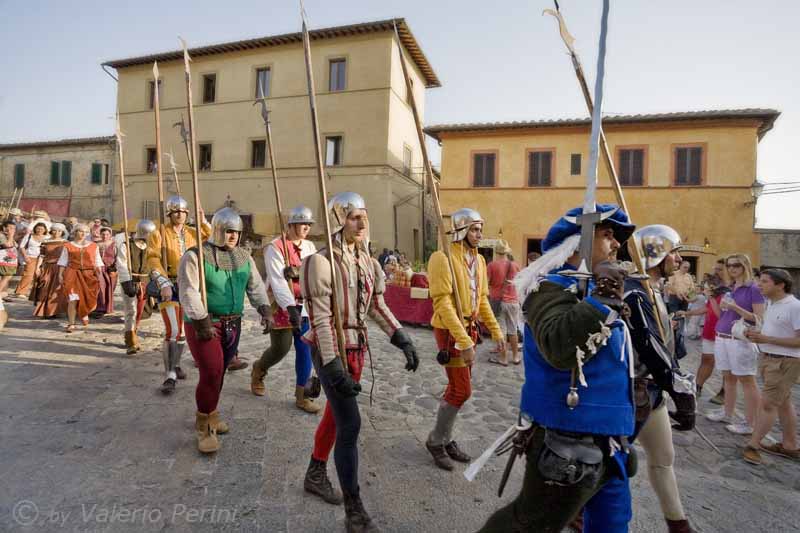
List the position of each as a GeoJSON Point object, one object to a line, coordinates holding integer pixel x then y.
{"type": "Point", "coordinates": [737, 357]}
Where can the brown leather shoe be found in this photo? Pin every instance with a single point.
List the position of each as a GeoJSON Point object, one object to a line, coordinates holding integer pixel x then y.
{"type": "Point", "coordinates": [356, 518]}
{"type": "Point", "coordinates": [257, 376]}
{"type": "Point", "coordinates": [236, 364]}
{"type": "Point", "coordinates": [168, 387]}
{"type": "Point", "coordinates": [439, 456]}
{"type": "Point", "coordinates": [130, 346]}
{"type": "Point", "coordinates": [303, 403]}
{"type": "Point", "coordinates": [317, 482]}
{"type": "Point", "coordinates": [679, 526]}
{"type": "Point", "coordinates": [455, 453]}
{"type": "Point", "coordinates": [205, 426]}
{"type": "Point", "coordinates": [752, 456]}
{"type": "Point", "coordinates": [778, 449]}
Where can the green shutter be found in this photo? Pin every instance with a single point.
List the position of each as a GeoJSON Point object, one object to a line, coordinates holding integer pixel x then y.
{"type": "Point", "coordinates": [66, 173]}
{"type": "Point", "coordinates": [19, 176]}
{"type": "Point", "coordinates": [55, 175]}
{"type": "Point", "coordinates": [97, 174]}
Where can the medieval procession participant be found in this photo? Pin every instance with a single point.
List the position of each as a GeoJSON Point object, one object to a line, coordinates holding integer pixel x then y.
{"type": "Point", "coordinates": [578, 390]}
{"type": "Point", "coordinates": [9, 258]}
{"type": "Point", "coordinates": [213, 334]}
{"type": "Point", "coordinates": [133, 281]}
{"type": "Point", "coordinates": [108, 279]}
{"type": "Point", "coordinates": [30, 248]}
{"type": "Point", "coordinates": [79, 271]}
{"type": "Point", "coordinates": [656, 371]}
{"type": "Point", "coordinates": [50, 301]}
{"type": "Point", "coordinates": [290, 318]}
{"type": "Point", "coordinates": [456, 335]}
{"type": "Point", "coordinates": [359, 293]}
{"type": "Point", "coordinates": [176, 237]}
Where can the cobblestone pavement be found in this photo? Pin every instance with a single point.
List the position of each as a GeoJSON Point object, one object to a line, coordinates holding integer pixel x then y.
{"type": "Point", "coordinates": [88, 444]}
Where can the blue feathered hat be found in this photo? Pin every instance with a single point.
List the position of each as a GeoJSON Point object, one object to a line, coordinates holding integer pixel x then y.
{"type": "Point", "coordinates": [567, 226]}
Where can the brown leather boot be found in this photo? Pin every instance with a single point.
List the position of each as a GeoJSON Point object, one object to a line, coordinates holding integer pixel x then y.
{"type": "Point", "coordinates": [205, 425]}
{"type": "Point", "coordinates": [135, 340]}
{"type": "Point", "coordinates": [356, 518]}
{"type": "Point", "coordinates": [303, 403]}
{"type": "Point", "coordinates": [456, 453]}
{"type": "Point", "coordinates": [130, 347]}
{"type": "Point", "coordinates": [439, 456]}
{"type": "Point", "coordinates": [257, 376]}
{"type": "Point", "coordinates": [236, 364]}
{"type": "Point", "coordinates": [679, 526]}
{"type": "Point", "coordinates": [317, 482]}
{"type": "Point", "coordinates": [220, 425]}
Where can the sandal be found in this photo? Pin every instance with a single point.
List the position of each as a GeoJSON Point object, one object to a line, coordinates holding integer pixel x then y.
{"type": "Point", "coordinates": [517, 361]}
{"type": "Point", "coordinates": [496, 361]}
{"type": "Point", "coordinates": [69, 328]}
{"type": "Point", "coordinates": [85, 321]}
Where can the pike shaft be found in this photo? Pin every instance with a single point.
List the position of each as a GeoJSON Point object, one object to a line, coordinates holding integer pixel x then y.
{"type": "Point", "coordinates": [161, 213]}
{"type": "Point", "coordinates": [124, 195]}
{"type": "Point", "coordinates": [443, 244]}
{"type": "Point", "coordinates": [312, 100]}
{"type": "Point", "coordinates": [274, 170]}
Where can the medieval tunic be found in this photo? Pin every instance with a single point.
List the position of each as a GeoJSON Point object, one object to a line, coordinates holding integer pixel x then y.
{"type": "Point", "coordinates": [108, 279]}
{"type": "Point", "coordinates": [360, 287]}
{"type": "Point", "coordinates": [32, 247]}
{"type": "Point", "coordinates": [80, 281]}
{"type": "Point", "coordinates": [9, 259]}
{"type": "Point", "coordinates": [229, 275]}
{"type": "Point", "coordinates": [49, 297]}
{"type": "Point", "coordinates": [134, 307]}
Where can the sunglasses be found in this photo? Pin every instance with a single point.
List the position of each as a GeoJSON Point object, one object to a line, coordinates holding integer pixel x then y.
{"type": "Point", "coordinates": [733, 265]}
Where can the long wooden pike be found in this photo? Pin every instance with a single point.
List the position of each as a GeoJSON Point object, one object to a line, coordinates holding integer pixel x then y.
{"type": "Point", "coordinates": [195, 182]}
{"type": "Point", "coordinates": [124, 194]}
{"type": "Point", "coordinates": [19, 198]}
{"type": "Point", "coordinates": [160, 174]}
{"type": "Point", "coordinates": [569, 41]}
{"type": "Point", "coordinates": [281, 223]}
{"type": "Point", "coordinates": [174, 168]}
{"type": "Point", "coordinates": [312, 101]}
{"type": "Point", "coordinates": [443, 244]}
{"type": "Point", "coordinates": [185, 136]}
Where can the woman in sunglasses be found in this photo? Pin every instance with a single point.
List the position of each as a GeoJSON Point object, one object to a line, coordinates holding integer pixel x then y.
{"type": "Point", "coordinates": [737, 359]}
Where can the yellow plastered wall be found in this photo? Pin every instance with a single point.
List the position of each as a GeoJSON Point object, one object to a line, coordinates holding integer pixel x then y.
{"type": "Point", "coordinates": [718, 212]}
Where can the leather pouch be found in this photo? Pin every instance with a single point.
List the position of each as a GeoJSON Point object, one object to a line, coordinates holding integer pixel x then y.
{"type": "Point", "coordinates": [153, 289]}
{"type": "Point", "coordinates": [568, 460]}
{"type": "Point", "coordinates": [641, 397]}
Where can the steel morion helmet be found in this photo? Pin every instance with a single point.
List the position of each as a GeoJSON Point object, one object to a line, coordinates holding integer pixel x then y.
{"type": "Point", "coordinates": [176, 203]}
{"type": "Point", "coordinates": [300, 215]}
{"type": "Point", "coordinates": [340, 206]}
{"type": "Point", "coordinates": [225, 219]}
{"type": "Point", "coordinates": [656, 242]}
{"type": "Point", "coordinates": [461, 221]}
{"type": "Point", "coordinates": [144, 228]}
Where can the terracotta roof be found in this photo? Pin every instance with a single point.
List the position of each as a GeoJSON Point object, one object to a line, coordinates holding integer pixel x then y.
{"type": "Point", "coordinates": [59, 142]}
{"type": "Point", "coordinates": [410, 43]}
{"type": "Point", "coordinates": [767, 117]}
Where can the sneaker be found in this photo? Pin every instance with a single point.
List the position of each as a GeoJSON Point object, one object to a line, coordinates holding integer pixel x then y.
{"type": "Point", "coordinates": [752, 456]}
{"type": "Point", "coordinates": [718, 415]}
{"type": "Point", "coordinates": [740, 429]}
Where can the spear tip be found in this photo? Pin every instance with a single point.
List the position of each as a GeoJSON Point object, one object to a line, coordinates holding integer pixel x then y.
{"type": "Point", "coordinates": [155, 69]}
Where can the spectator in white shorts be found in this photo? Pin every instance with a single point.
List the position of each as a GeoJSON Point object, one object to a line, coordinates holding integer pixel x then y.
{"type": "Point", "coordinates": [505, 303]}
{"type": "Point", "coordinates": [779, 342]}
{"type": "Point", "coordinates": [713, 289]}
{"type": "Point", "coordinates": [737, 358]}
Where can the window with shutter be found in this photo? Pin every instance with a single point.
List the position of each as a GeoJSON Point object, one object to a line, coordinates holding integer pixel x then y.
{"type": "Point", "coordinates": [689, 165]}
{"type": "Point", "coordinates": [97, 174]}
{"type": "Point", "coordinates": [337, 75]}
{"type": "Point", "coordinates": [209, 88]}
{"type": "Point", "coordinates": [263, 76]}
{"type": "Point", "coordinates": [575, 165]}
{"type": "Point", "coordinates": [19, 176]}
{"type": "Point", "coordinates": [55, 173]}
{"type": "Point", "coordinates": [540, 168]}
{"type": "Point", "coordinates": [631, 166]}
{"type": "Point", "coordinates": [333, 150]}
{"type": "Point", "coordinates": [258, 158]}
{"type": "Point", "coordinates": [484, 170]}
{"type": "Point", "coordinates": [66, 173]}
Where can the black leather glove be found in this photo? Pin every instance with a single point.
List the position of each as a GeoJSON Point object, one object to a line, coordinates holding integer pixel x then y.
{"type": "Point", "coordinates": [130, 288]}
{"type": "Point", "coordinates": [204, 328]}
{"type": "Point", "coordinates": [340, 380]}
{"type": "Point", "coordinates": [266, 317]}
{"type": "Point", "coordinates": [294, 316]}
{"type": "Point", "coordinates": [403, 341]}
{"type": "Point", "coordinates": [609, 284]}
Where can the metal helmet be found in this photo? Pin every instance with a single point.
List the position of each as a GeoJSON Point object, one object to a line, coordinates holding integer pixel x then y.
{"type": "Point", "coordinates": [341, 205]}
{"type": "Point", "coordinates": [176, 203]}
{"type": "Point", "coordinates": [58, 226]}
{"type": "Point", "coordinates": [300, 215]}
{"type": "Point", "coordinates": [144, 228]}
{"type": "Point", "coordinates": [461, 221]}
{"type": "Point", "coordinates": [225, 219]}
{"type": "Point", "coordinates": [656, 242]}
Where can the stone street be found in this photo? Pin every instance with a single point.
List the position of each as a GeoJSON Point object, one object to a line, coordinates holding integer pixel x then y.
{"type": "Point", "coordinates": [89, 444]}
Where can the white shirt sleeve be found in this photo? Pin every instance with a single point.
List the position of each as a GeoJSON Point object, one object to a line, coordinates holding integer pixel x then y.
{"type": "Point", "coordinates": [189, 287]}
{"type": "Point", "coordinates": [63, 261]}
{"type": "Point", "coordinates": [121, 260]}
{"type": "Point", "coordinates": [274, 264]}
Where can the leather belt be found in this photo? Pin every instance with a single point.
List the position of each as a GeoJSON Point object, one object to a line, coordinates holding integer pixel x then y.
{"type": "Point", "coordinates": [725, 336]}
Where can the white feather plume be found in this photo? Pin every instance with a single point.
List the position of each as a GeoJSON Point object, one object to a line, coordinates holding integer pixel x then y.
{"type": "Point", "coordinates": [527, 280]}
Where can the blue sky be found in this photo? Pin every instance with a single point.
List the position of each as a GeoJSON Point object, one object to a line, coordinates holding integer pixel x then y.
{"type": "Point", "coordinates": [496, 60]}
